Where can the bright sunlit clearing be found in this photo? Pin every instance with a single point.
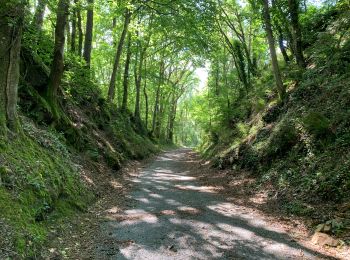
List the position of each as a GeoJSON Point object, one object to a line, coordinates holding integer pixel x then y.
{"type": "Point", "coordinates": [202, 74]}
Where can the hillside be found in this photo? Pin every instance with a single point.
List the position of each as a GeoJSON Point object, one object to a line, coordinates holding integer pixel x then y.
{"type": "Point", "coordinates": [297, 151]}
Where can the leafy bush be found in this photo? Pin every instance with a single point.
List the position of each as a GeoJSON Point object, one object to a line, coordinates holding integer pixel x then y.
{"type": "Point", "coordinates": [282, 139]}
{"type": "Point", "coordinates": [317, 124]}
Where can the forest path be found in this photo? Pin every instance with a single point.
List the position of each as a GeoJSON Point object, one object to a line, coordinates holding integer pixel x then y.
{"type": "Point", "coordinates": [171, 216]}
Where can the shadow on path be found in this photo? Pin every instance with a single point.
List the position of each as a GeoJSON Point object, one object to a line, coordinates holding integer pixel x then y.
{"type": "Point", "coordinates": [172, 217]}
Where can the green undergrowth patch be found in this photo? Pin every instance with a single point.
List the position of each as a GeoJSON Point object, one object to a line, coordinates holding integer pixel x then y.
{"type": "Point", "coordinates": [132, 144]}
{"type": "Point", "coordinates": [38, 184]}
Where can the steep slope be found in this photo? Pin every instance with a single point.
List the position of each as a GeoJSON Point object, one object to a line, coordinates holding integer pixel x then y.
{"type": "Point", "coordinates": [299, 150]}
{"type": "Point", "coordinates": [50, 171]}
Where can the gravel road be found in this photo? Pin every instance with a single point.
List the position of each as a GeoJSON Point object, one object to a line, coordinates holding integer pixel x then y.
{"type": "Point", "coordinates": [171, 216]}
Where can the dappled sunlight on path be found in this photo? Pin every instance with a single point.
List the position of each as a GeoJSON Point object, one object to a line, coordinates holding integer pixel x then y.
{"type": "Point", "coordinates": [172, 217]}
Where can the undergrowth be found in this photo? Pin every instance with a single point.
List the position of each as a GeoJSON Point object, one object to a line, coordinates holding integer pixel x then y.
{"type": "Point", "coordinates": [301, 147]}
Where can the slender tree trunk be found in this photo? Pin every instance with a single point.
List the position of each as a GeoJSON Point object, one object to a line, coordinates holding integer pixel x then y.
{"type": "Point", "coordinates": [57, 66]}
{"type": "Point", "coordinates": [88, 32]}
{"type": "Point", "coordinates": [74, 31]}
{"type": "Point", "coordinates": [172, 116]}
{"type": "Point", "coordinates": [156, 103]}
{"type": "Point", "coordinates": [276, 71]}
{"type": "Point", "coordinates": [11, 23]}
{"type": "Point", "coordinates": [126, 75]}
{"type": "Point", "coordinates": [293, 6]}
{"type": "Point", "coordinates": [281, 45]}
{"type": "Point", "coordinates": [68, 34]}
{"type": "Point", "coordinates": [155, 109]}
{"type": "Point", "coordinates": [38, 18]}
{"type": "Point", "coordinates": [80, 29]}
{"type": "Point", "coordinates": [138, 79]}
{"type": "Point", "coordinates": [146, 97]}
{"type": "Point", "coordinates": [114, 25]}
{"type": "Point", "coordinates": [280, 34]}
{"type": "Point", "coordinates": [111, 90]}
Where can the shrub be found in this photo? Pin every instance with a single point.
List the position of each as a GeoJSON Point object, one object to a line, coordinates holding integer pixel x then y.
{"type": "Point", "coordinates": [317, 124]}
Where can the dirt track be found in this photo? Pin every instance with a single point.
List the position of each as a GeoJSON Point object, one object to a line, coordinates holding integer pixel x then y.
{"type": "Point", "coordinates": [171, 216]}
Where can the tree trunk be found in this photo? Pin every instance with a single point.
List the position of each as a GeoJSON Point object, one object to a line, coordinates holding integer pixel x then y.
{"type": "Point", "coordinates": [146, 97]}
{"type": "Point", "coordinates": [293, 6]}
{"type": "Point", "coordinates": [68, 37]}
{"type": "Point", "coordinates": [281, 45]}
{"type": "Point", "coordinates": [74, 31]}
{"type": "Point", "coordinates": [138, 79]}
{"type": "Point", "coordinates": [88, 32]}
{"type": "Point", "coordinates": [57, 66]}
{"type": "Point", "coordinates": [172, 117]}
{"type": "Point", "coordinates": [11, 22]}
{"type": "Point", "coordinates": [80, 29]}
{"type": "Point", "coordinates": [38, 18]}
{"type": "Point", "coordinates": [276, 71]}
{"type": "Point", "coordinates": [111, 90]}
{"type": "Point", "coordinates": [126, 75]}
{"type": "Point", "coordinates": [156, 103]}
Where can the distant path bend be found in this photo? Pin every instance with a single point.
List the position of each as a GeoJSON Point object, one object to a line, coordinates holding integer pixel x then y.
{"type": "Point", "coordinates": [172, 217]}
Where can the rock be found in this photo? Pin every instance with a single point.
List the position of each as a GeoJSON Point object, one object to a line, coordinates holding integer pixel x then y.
{"type": "Point", "coordinates": [173, 248]}
{"type": "Point", "coordinates": [327, 228]}
{"type": "Point", "coordinates": [323, 239]}
{"type": "Point", "coordinates": [319, 228]}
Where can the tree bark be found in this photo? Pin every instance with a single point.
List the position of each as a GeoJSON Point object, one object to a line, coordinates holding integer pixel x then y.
{"type": "Point", "coordinates": [38, 18]}
{"type": "Point", "coordinates": [57, 66]}
{"type": "Point", "coordinates": [281, 45]}
{"type": "Point", "coordinates": [138, 79]}
{"type": "Point", "coordinates": [88, 32]}
{"type": "Point", "coordinates": [276, 70]}
{"type": "Point", "coordinates": [293, 6]}
{"type": "Point", "coordinates": [156, 103]}
{"type": "Point", "coordinates": [80, 29]}
{"type": "Point", "coordinates": [111, 90]}
{"type": "Point", "coordinates": [74, 31]}
{"type": "Point", "coordinates": [126, 75]}
{"type": "Point", "coordinates": [11, 23]}
{"type": "Point", "coordinates": [68, 34]}
{"type": "Point", "coordinates": [146, 97]}
{"type": "Point", "coordinates": [172, 116]}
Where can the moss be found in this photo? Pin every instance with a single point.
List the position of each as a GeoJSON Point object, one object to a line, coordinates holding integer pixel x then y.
{"type": "Point", "coordinates": [40, 182]}
{"type": "Point", "coordinates": [281, 140]}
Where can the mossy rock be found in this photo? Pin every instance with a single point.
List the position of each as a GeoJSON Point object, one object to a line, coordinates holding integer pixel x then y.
{"type": "Point", "coordinates": [317, 124]}
{"type": "Point", "coordinates": [113, 161]}
{"type": "Point", "coordinates": [7, 176]}
{"type": "Point", "coordinates": [248, 157]}
{"type": "Point", "coordinates": [273, 113]}
{"type": "Point", "coordinates": [281, 141]}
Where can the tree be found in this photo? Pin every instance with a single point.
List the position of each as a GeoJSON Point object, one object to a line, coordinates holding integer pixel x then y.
{"type": "Point", "coordinates": [111, 90]}
{"type": "Point", "coordinates": [57, 66]}
{"type": "Point", "coordinates": [38, 18]}
{"type": "Point", "coordinates": [293, 6]}
{"type": "Point", "coordinates": [11, 23]}
{"type": "Point", "coordinates": [74, 30]}
{"type": "Point", "coordinates": [80, 28]}
{"type": "Point", "coordinates": [126, 75]}
{"type": "Point", "coordinates": [88, 32]}
{"type": "Point", "coordinates": [271, 41]}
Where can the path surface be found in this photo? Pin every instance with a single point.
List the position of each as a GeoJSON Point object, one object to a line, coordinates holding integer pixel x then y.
{"type": "Point", "coordinates": [173, 217]}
